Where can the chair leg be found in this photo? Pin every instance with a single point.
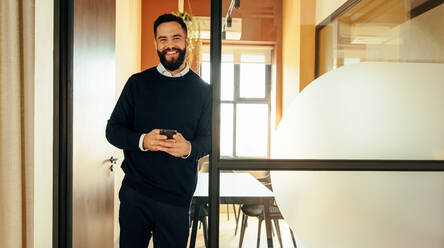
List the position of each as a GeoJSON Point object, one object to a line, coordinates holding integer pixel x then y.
{"type": "Point", "coordinates": [292, 237]}
{"type": "Point", "coordinates": [236, 216]}
{"type": "Point", "coordinates": [228, 212]}
{"type": "Point", "coordinates": [235, 230]}
{"type": "Point", "coordinates": [237, 219]}
{"type": "Point", "coordinates": [205, 230]}
{"type": "Point", "coordinates": [243, 227]}
{"type": "Point", "coordinates": [278, 231]}
{"type": "Point", "coordinates": [260, 219]}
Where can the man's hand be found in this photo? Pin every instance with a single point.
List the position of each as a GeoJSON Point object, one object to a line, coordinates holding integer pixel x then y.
{"type": "Point", "coordinates": [177, 147]}
{"type": "Point", "coordinates": [153, 141]}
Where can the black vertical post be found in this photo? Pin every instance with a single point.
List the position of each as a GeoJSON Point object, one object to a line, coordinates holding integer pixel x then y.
{"type": "Point", "coordinates": [215, 58]}
{"type": "Point", "coordinates": [62, 148]}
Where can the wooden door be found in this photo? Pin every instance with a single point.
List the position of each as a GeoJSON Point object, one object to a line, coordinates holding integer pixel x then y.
{"type": "Point", "coordinates": [93, 100]}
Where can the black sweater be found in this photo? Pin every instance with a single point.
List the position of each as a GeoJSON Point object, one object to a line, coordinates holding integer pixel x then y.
{"type": "Point", "coordinates": [151, 100]}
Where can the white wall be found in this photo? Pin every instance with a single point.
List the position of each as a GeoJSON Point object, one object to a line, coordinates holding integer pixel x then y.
{"type": "Point", "coordinates": [43, 123]}
{"type": "Point", "coordinates": [128, 39]}
{"type": "Point", "coordinates": [324, 8]}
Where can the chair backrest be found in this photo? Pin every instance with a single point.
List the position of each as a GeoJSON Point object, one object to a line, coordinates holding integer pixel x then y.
{"type": "Point", "coordinates": [266, 180]}
{"type": "Point", "coordinates": [203, 164]}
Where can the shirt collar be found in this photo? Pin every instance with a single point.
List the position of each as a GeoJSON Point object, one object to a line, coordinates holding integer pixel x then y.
{"type": "Point", "coordinates": [161, 69]}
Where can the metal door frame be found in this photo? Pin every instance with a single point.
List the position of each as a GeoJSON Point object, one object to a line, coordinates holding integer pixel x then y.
{"type": "Point", "coordinates": [63, 102]}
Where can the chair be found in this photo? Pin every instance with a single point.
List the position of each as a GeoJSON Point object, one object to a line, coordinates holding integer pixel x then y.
{"type": "Point", "coordinates": [202, 218]}
{"type": "Point", "coordinates": [256, 210]}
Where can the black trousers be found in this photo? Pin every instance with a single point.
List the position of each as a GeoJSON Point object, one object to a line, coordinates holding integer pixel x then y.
{"type": "Point", "coordinates": [141, 218]}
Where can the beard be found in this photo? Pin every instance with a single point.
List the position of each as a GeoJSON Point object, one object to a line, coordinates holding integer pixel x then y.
{"type": "Point", "coordinates": [174, 64]}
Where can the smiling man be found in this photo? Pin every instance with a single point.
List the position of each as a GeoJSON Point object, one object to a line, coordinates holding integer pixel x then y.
{"type": "Point", "coordinates": [161, 165]}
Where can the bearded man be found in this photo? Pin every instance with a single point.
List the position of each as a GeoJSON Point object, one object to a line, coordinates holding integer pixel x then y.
{"type": "Point", "coordinates": [162, 122]}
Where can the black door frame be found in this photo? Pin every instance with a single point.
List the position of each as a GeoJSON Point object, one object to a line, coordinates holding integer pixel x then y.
{"type": "Point", "coordinates": [62, 152]}
{"type": "Point", "coordinates": [62, 149]}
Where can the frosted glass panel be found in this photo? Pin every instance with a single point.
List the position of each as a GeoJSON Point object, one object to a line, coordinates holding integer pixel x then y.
{"type": "Point", "coordinates": [252, 130]}
{"type": "Point", "coordinates": [368, 110]}
{"type": "Point", "coordinates": [252, 80]}
{"type": "Point", "coordinates": [226, 129]}
{"type": "Point", "coordinates": [362, 209]}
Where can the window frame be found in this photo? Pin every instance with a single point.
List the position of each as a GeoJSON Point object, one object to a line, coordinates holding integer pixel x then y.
{"type": "Point", "coordinates": [237, 99]}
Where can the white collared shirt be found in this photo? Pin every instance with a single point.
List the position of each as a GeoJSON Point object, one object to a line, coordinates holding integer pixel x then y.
{"type": "Point", "coordinates": [161, 69]}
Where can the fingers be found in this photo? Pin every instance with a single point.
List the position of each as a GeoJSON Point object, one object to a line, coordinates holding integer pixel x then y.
{"type": "Point", "coordinates": [172, 151]}
{"type": "Point", "coordinates": [178, 136]}
{"type": "Point", "coordinates": [177, 147]}
{"type": "Point", "coordinates": [155, 134]}
{"type": "Point", "coordinates": [168, 143]}
{"type": "Point", "coordinates": [160, 137]}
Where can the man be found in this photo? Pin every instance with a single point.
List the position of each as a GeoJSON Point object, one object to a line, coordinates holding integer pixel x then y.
{"type": "Point", "coordinates": [161, 173]}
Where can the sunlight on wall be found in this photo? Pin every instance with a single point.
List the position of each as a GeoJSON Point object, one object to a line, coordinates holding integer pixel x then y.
{"type": "Point", "coordinates": [43, 124]}
{"type": "Point", "coordinates": [365, 111]}
{"type": "Point", "coordinates": [128, 39]}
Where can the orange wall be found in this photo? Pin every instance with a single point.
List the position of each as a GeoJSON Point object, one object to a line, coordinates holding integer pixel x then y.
{"type": "Point", "coordinates": [298, 50]}
{"type": "Point", "coordinates": [260, 19]}
{"type": "Point", "coordinates": [151, 9]}
{"type": "Point", "coordinates": [308, 27]}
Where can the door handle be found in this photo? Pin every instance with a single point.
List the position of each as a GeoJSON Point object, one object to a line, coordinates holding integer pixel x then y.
{"type": "Point", "coordinates": [113, 161]}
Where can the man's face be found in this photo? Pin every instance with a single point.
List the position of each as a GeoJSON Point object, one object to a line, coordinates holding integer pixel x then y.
{"type": "Point", "coordinates": [171, 43]}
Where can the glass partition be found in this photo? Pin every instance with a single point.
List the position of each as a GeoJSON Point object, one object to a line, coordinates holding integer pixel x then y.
{"type": "Point", "coordinates": [387, 51]}
{"type": "Point", "coordinates": [383, 30]}
{"type": "Point", "coordinates": [368, 112]}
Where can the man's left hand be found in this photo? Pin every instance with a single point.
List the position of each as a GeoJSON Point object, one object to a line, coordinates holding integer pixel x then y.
{"type": "Point", "coordinates": [177, 147]}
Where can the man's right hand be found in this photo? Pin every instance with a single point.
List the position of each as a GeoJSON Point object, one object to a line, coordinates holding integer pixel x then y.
{"type": "Point", "coordinates": [154, 141]}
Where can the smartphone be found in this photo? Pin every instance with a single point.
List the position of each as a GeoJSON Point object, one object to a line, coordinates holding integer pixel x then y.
{"type": "Point", "coordinates": [168, 132]}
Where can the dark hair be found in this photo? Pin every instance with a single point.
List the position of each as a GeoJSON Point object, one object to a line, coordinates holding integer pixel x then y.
{"type": "Point", "coordinates": [169, 18]}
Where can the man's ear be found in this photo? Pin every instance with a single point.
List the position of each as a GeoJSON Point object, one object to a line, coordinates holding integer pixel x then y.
{"type": "Point", "coordinates": [187, 40]}
{"type": "Point", "coordinates": [155, 43]}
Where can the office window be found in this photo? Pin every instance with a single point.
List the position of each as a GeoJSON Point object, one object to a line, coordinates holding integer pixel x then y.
{"type": "Point", "coordinates": [245, 100]}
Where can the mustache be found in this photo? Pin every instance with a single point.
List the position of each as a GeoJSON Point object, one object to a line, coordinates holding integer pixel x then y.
{"type": "Point", "coordinates": [164, 52]}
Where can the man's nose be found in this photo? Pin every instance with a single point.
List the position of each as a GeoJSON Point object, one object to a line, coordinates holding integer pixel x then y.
{"type": "Point", "coordinates": [169, 44]}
